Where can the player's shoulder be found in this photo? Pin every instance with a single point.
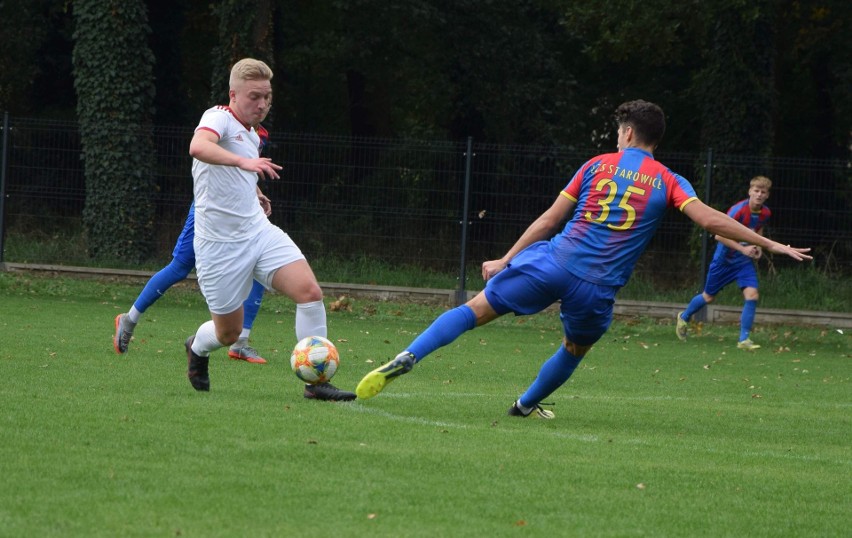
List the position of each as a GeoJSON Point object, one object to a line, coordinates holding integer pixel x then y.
{"type": "Point", "coordinates": [219, 111]}
{"type": "Point", "coordinates": [739, 206]}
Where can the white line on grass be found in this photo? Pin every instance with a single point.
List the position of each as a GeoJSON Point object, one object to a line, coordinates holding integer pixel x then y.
{"type": "Point", "coordinates": [587, 438]}
{"type": "Point", "coordinates": [402, 418]}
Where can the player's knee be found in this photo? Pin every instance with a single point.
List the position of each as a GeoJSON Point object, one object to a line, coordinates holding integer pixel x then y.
{"type": "Point", "coordinates": [575, 349]}
{"type": "Point", "coordinates": [228, 337]}
{"type": "Point", "coordinates": [708, 298]}
{"type": "Point", "coordinates": [751, 294]}
{"type": "Point", "coordinates": [311, 294]}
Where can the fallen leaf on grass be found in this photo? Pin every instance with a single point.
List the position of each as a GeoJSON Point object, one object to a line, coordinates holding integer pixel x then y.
{"type": "Point", "coordinates": [342, 304]}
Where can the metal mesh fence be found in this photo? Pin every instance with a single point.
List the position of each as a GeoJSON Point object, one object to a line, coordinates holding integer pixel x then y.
{"type": "Point", "coordinates": [403, 201]}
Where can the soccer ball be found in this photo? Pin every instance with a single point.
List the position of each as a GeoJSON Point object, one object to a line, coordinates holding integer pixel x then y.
{"type": "Point", "coordinates": [314, 360]}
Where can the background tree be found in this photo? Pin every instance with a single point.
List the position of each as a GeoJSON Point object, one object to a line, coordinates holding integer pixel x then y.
{"type": "Point", "coordinates": [735, 88]}
{"type": "Point", "coordinates": [22, 38]}
{"type": "Point", "coordinates": [113, 69]}
{"type": "Point", "coordinates": [538, 71]}
{"type": "Point", "coordinates": [245, 30]}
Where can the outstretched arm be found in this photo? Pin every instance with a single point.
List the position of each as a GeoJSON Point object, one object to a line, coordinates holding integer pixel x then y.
{"type": "Point", "coordinates": [721, 224]}
{"type": "Point", "coordinates": [543, 227]}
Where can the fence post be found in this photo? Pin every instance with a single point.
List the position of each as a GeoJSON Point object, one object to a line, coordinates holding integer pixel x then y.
{"type": "Point", "coordinates": [3, 185]}
{"type": "Point", "coordinates": [461, 293]}
{"type": "Point", "coordinates": [701, 315]}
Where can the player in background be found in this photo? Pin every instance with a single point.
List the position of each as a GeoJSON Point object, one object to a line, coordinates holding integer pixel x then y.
{"type": "Point", "coordinates": [735, 261]}
{"type": "Point", "coordinates": [234, 241]}
{"type": "Point", "coordinates": [183, 261]}
{"type": "Point", "coordinates": [614, 203]}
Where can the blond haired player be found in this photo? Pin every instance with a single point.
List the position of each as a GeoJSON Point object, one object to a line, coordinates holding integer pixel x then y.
{"type": "Point", "coordinates": [734, 261]}
{"type": "Point", "coordinates": [234, 240]}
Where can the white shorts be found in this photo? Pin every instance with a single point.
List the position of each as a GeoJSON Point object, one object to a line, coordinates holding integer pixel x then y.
{"type": "Point", "coordinates": [225, 270]}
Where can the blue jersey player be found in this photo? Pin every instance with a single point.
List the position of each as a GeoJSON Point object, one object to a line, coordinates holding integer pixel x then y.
{"type": "Point", "coordinates": [614, 203]}
{"type": "Point", "coordinates": [183, 261]}
{"type": "Point", "coordinates": [734, 261]}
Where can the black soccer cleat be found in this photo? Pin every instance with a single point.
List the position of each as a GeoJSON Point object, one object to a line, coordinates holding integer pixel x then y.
{"type": "Point", "coordinates": [328, 392]}
{"type": "Point", "coordinates": [197, 367]}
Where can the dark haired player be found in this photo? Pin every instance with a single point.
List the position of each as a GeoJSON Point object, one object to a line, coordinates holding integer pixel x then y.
{"type": "Point", "coordinates": [615, 202]}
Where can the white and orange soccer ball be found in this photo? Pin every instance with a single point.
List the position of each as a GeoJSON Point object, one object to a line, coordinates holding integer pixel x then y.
{"type": "Point", "coordinates": [315, 360]}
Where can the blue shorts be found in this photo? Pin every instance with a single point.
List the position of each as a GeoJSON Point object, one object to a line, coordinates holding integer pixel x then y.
{"type": "Point", "coordinates": [721, 274]}
{"type": "Point", "coordinates": [533, 281]}
{"type": "Point", "coordinates": [184, 251]}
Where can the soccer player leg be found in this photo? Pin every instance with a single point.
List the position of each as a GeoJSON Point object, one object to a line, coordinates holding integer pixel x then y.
{"type": "Point", "coordinates": [485, 307]}
{"type": "Point", "coordinates": [296, 280]}
{"type": "Point", "coordinates": [283, 267]}
{"type": "Point", "coordinates": [241, 350]}
{"type": "Point", "coordinates": [156, 286]}
{"type": "Point", "coordinates": [251, 307]}
{"type": "Point", "coordinates": [586, 314]}
{"type": "Point", "coordinates": [718, 276]}
{"type": "Point", "coordinates": [444, 330]}
{"type": "Point", "coordinates": [747, 281]}
{"type": "Point", "coordinates": [176, 271]}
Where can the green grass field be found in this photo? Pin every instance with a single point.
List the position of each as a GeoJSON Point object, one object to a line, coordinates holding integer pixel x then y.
{"type": "Point", "coordinates": [652, 437]}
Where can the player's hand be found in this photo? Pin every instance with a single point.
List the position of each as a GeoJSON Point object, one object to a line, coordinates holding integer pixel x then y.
{"type": "Point", "coordinates": [491, 268]}
{"type": "Point", "coordinates": [753, 251]}
{"type": "Point", "coordinates": [261, 165]}
{"type": "Point", "coordinates": [265, 204]}
{"type": "Point", "coordinates": [794, 252]}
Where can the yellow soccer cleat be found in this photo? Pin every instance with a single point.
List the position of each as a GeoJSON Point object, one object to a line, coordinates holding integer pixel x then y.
{"type": "Point", "coordinates": [681, 328]}
{"type": "Point", "coordinates": [374, 382]}
{"type": "Point", "coordinates": [747, 345]}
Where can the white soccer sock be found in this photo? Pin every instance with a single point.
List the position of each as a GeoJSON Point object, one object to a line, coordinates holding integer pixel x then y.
{"type": "Point", "coordinates": [205, 339]}
{"type": "Point", "coordinates": [134, 315]}
{"type": "Point", "coordinates": [245, 334]}
{"type": "Point", "coordinates": [524, 409]}
{"type": "Point", "coordinates": [310, 320]}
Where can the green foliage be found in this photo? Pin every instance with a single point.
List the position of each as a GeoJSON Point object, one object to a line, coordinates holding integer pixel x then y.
{"type": "Point", "coordinates": [735, 86]}
{"type": "Point", "coordinates": [743, 77]}
{"type": "Point", "coordinates": [652, 437]}
{"type": "Point", "coordinates": [245, 30]}
{"type": "Point", "coordinates": [22, 37]}
{"type": "Point", "coordinates": [113, 69]}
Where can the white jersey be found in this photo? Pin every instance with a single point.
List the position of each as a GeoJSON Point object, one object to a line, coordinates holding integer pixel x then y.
{"type": "Point", "coordinates": [226, 204]}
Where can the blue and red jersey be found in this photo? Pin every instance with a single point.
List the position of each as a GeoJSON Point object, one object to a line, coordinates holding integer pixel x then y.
{"type": "Point", "coordinates": [754, 220]}
{"type": "Point", "coordinates": [621, 199]}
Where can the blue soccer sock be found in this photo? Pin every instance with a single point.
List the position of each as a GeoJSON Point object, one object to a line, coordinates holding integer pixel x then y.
{"type": "Point", "coordinates": [747, 318]}
{"type": "Point", "coordinates": [251, 306]}
{"type": "Point", "coordinates": [553, 374]}
{"type": "Point", "coordinates": [696, 304]}
{"type": "Point", "coordinates": [446, 328]}
{"type": "Point", "coordinates": [164, 279]}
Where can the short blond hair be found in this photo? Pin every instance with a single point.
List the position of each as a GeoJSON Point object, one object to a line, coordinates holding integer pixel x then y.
{"type": "Point", "coordinates": [760, 181]}
{"type": "Point", "coordinates": [249, 69]}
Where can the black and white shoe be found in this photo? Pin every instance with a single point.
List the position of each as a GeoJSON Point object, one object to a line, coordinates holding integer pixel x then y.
{"type": "Point", "coordinates": [536, 412]}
